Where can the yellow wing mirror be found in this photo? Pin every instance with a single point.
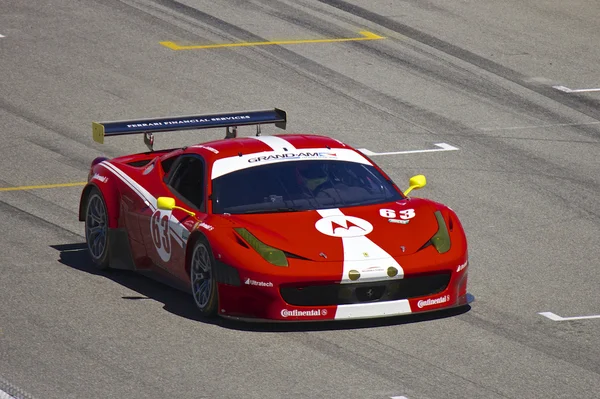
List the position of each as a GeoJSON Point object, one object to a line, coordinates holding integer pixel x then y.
{"type": "Point", "coordinates": [415, 182]}
{"type": "Point", "coordinates": [168, 204]}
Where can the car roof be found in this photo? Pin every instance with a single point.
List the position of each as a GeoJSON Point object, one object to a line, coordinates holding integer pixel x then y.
{"type": "Point", "coordinates": [228, 155]}
{"type": "Point", "coordinates": [225, 148]}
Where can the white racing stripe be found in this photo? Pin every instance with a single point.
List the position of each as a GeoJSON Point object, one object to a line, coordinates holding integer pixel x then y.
{"type": "Point", "coordinates": [360, 253]}
{"type": "Point", "coordinates": [276, 143]}
{"type": "Point", "coordinates": [373, 309]}
{"type": "Point", "coordinates": [149, 199]}
{"type": "Point", "coordinates": [135, 186]}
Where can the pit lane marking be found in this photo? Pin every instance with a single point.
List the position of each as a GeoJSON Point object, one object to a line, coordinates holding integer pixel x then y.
{"type": "Point", "coordinates": [366, 35]}
{"type": "Point", "coordinates": [567, 90]}
{"type": "Point", "coordinates": [555, 317]}
{"type": "Point", "coordinates": [37, 187]}
{"type": "Point", "coordinates": [2, 36]}
{"type": "Point", "coordinates": [441, 147]}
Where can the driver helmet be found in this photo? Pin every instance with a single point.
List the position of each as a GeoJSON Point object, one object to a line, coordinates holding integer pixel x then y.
{"type": "Point", "coordinates": [313, 175]}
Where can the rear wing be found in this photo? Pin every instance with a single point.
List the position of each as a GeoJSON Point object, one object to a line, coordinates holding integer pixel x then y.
{"type": "Point", "coordinates": [100, 130]}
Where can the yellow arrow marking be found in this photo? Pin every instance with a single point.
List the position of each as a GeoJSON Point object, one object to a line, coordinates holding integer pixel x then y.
{"type": "Point", "coordinates": [365, 36]}
{"type": "Point", "coordinates": [22, 188]}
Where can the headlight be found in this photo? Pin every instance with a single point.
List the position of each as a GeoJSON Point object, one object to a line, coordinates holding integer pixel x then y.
{"type": "Point", "coordinates": [272, 255]}
{"type": "Point", "coordinates": [441, 239]}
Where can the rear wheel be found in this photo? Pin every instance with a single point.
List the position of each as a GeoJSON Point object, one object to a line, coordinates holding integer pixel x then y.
{"type": "Point", "coordinates": [203, 282]}
{"type": "Point", "coordinates": [96, 229]}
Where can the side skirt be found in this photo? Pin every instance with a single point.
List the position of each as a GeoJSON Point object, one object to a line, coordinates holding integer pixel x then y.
{"type": "Point", "coordinates": [120, 252]}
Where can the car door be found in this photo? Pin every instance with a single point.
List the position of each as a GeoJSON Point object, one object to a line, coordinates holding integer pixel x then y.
{"type": "Point", "coordinates": [186, 183]}
{"type": "Point", "coordinates": [163, 245]}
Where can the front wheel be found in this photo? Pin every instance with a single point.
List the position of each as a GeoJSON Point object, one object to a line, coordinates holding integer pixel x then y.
{"type": "Point", "coordinates": [96, 229]}
{"type": "Point", "coordinates": [203, 282]}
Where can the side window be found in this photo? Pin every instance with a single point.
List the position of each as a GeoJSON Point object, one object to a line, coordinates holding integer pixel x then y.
{"type": "Point", "coordinates": [167, 163]}
{"type": "Point", "coordinates": [187, 180]}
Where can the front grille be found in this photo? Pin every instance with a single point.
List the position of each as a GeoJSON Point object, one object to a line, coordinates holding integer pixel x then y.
{"type": "Point", "coordinates": [377, 291]}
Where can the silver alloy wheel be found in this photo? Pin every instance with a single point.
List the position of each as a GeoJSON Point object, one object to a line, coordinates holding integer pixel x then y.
{"type": "Point", "coordinates": [96, 223]}
{"type": "Point", "coordinates": [201, 275]}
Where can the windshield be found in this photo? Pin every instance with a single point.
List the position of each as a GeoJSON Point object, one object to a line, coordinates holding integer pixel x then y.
{"type": "Point", "coordinates": [300, 185]}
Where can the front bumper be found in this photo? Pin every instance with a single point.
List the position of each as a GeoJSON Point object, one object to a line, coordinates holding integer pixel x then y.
{"type": "Point", "coordinates": [260, 297]}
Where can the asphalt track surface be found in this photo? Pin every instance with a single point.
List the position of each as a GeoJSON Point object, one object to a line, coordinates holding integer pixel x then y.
{"type": "Point", "coordinates": [477, 75]}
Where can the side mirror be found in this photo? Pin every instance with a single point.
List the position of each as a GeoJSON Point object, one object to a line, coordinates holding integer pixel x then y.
{"type": "Point", "coordinates": [168, 204]}
{"type": "Point", "coordinates": [165, 203]}
{"type": "Point", "coordinates": [416, 182]}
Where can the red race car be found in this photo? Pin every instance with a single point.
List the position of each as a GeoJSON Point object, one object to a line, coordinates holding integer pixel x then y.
{"type": "Point", "coordinates": [286, 227]}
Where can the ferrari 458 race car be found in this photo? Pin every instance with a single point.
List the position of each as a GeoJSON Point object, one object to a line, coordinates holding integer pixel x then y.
{"type": "Point", "coordinates": [288, 227]}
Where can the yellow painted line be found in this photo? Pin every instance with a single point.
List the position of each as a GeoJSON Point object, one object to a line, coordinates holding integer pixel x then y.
{"type": "Point", "coordinates": [22, 188]}
{"type": "Point", "coordinates": [365, 36]}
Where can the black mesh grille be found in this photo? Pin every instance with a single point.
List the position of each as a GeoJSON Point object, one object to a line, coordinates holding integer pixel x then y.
{"type": "Point", "coordinates": [378, 291]}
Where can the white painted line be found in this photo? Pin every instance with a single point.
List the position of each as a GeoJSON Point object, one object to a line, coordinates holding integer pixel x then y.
{"type": "Point", "coordinates": [555, 317]}
{"type": "Point", "coordinates": [4, 395]}
{"type": "Point", "coordinates": [398, 397]}
{"type": "Point", "coordinates": [2, 36]}
{"type": "Point", "coordinates": [567, 90]}
{"type": "Point", "coordinates": [442, 147]}
{"type": "Point", "coordinates": [489, 129]}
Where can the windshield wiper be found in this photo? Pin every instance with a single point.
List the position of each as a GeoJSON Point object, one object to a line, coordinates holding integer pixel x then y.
{"type": "Point", "coordinates": [273, 210]}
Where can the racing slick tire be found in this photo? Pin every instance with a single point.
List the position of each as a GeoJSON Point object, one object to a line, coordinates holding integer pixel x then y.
{"type": "Point", "coordinates": [96, 229]}
{"type": "Point", "coordinates": [202, 278]}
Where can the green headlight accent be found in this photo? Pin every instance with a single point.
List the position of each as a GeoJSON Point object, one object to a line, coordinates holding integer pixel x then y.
{"type": "Point", "coordinates": [441, 239]}
{"type": "Point", "coordinates": [272, 255]}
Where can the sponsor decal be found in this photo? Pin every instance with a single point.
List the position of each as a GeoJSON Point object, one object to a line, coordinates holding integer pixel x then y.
{"type": "Point", "coordinates": [428, 302]}
{"type": "Point", "coordinates": [463, 266]}
{"type": "Point", "coordinates": [355, 274]}
{"type": "Point", "coordinates": [372, 269]}
{"type": "Point", "coordinates": [150, 124]}
{"type": "Point", "coordinates": [213, 150]}
{"type": "Point", "coordinates": [204, 226]}
{"type": "Point", "coordinates": [176, 122]}
{"type": "Point", "coordinates": [100, 178]}
{"type": "Point", "coordinates": [343, 226]}
{"type": "Point", "coordinates": [292, 155]}
{"type": "Point", "coordinates": [249, 281]}
{"type": "Point", "coordinates": [398, 221]}
{"type": "Point", "coordinates": [303, 313]}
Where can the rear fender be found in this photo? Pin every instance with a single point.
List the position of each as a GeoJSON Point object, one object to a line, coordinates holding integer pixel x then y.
{"type": "Point", "coordinates": [111, 199]}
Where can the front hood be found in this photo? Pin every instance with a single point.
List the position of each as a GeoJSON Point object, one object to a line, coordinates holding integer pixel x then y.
{"type": "Point", "coordinates": [354, 233]}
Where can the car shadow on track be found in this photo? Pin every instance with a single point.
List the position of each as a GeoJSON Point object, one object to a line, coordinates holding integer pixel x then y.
{"type": "Point", "coordinates": [181, 304]}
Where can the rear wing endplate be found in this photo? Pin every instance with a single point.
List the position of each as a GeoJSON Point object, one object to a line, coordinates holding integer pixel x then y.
{"type": "Point", "coordinates": [100, 130]}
